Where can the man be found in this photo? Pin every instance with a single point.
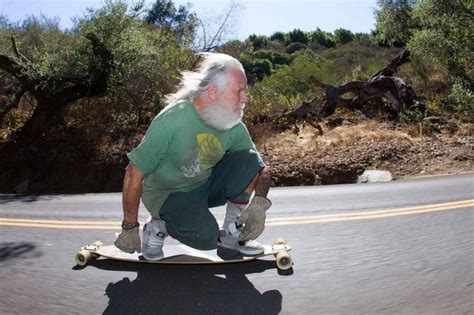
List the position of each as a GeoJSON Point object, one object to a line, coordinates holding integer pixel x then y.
{"type": "Point", "coordinates": [198, 154]}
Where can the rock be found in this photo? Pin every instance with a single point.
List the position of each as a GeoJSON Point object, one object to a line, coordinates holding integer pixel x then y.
{"type": "Point", "coordinates": [374, 176]}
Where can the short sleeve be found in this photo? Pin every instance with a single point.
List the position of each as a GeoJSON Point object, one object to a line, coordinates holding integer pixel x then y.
{"type": "Point", "coordinates": [241, 139]}
{"type": "Point", "coordinates": [148, 154]}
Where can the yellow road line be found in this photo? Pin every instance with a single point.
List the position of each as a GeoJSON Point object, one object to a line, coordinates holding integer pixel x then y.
{"type": "Point", "coordinates": [63, 226]}
{"type": "Point", "coordinates": [61, 222]}
{"type": "Point", "coordinates": [294, 220]}
{"type": "Point", "coordinates": [380, 213]}
{"type": "Point", "coordinates": [366, 217]}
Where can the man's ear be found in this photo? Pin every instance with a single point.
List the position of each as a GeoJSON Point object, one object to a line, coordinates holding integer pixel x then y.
{"type": "Point", "coordinates": [212, 92]}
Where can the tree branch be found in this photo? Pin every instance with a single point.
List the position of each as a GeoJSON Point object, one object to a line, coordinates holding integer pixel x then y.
{"type": "Point", "coordinates": [392, 67]}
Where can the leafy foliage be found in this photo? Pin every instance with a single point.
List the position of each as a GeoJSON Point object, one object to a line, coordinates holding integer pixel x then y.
{"type": "Point", "coordinates": [150, 48]}
{"type": "Point", "coordinates": [394, 22]}
{"type": "Point", "coordinates": [258, 41]}
{"type": "Point", "coordinates": [42, 42]}
{"type": "Point", "coordinates": [438, 31]}
{"type": "Point", "coordinates": [298, 36]}
{"type": "Point", "coordinates": [288, 85]}
{"type": "Point", "coordinates": [164, 15]}
{"type": "Point", "coordinates": [343, 36]}
{"type": "Point", "coordinates": [147, 60]}
{"type": "Point", "coordinates": [461, 97]}
{"type": "Point", "coordinates": [278, 36]}
{"type": "Point", "coordinates": [322, 38]}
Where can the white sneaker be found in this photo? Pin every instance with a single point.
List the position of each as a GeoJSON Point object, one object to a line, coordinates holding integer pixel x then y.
{"type": "Point", "coordinates": [231, 241]}
{"type": "Point", "coordinates": [153, 239]}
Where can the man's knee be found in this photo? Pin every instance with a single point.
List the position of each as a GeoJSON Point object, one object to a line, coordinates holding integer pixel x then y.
{"type": "Point", "coordinates": [246, 157]}
{"type": "Point", "coordinates": [203, 237]}
{"type": "Point", "coordinates": [206, 238]}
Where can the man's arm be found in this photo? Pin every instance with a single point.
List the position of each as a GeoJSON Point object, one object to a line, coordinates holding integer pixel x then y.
{"type": "Point", "coordinates": [253, 217]}
{"type": "Point", "coordinates": [129, 240]}
{"type": "Point", "coordinates": [132, 188]}
{"type": "Point", "coordinates": [263, 183]}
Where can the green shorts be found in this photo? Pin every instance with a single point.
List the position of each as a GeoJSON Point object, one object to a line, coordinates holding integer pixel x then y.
{"type": "Point", "coordinates": [187, 214]}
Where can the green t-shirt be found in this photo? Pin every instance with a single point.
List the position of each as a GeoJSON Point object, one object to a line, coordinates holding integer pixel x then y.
{"type": "Point", "coordinates": [179, 151]}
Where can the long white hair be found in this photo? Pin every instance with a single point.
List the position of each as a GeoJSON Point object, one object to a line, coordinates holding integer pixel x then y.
{"type": "Point", "coordinates": [211, 70]}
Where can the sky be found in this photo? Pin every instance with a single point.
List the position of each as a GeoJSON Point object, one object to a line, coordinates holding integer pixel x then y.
{"type": "Point", "coordinates": [261, 17]}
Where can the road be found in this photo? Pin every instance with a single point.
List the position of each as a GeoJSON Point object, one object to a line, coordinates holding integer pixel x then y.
{"type": "Point", "coordinates": [405, 247]}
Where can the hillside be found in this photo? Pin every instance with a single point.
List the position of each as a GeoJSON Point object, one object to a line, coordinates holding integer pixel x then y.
{"type": "Point", "coordinates": [66, 164]}
{"type": "Point", "coordinates": [343, 153]}
{"type": "Point", "coordinates": [68, 116]}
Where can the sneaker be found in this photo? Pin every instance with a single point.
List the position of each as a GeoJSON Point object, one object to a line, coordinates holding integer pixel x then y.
{"type": "Point", "coordinates": [250, 248]}
{"type": "Point", "coordinates": [153, 239]}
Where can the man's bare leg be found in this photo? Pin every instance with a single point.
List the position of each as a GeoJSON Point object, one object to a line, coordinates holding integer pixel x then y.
{"type": "Point", "coordinates": [260, 185]}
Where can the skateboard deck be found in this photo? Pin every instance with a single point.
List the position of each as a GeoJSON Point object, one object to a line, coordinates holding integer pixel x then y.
{"type": "Point", "coordinates": [182, 254]}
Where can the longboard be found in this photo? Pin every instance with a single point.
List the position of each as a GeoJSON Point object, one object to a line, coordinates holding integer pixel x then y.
{"type": "Point", "coordinates": [182, 254]}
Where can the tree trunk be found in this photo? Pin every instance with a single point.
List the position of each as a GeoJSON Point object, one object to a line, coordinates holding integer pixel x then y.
{"type": "Point", "coordinates": [54, 94]}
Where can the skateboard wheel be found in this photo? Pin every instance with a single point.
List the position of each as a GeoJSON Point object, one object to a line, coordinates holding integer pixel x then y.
{"type": "Point", "coordinates": [83, 257]}
{"type": "Point", "coordinates": [280, 241]}
{"type": "Point", "coordinates": [98, 243]}
{"type": "Point", "coordinates": [284, 260]}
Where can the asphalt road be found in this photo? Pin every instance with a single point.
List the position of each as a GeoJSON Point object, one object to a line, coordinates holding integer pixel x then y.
{"type": "Point", "coordinates": [405, 247]}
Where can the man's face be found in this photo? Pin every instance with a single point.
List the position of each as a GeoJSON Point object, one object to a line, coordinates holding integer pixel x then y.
{"type": "Point", "coordinates": [227, 110]}
{"type": "Point", "coordinates": [234, 95]}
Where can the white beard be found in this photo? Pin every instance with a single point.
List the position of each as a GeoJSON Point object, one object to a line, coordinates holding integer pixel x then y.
{"type": "Point", "coordinates": [219, 117]}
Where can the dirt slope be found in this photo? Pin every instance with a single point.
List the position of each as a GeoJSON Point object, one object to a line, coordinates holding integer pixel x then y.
{"type": "Point", "coordinates": [342, 153]}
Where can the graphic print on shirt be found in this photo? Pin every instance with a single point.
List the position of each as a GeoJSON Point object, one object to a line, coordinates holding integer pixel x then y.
{"type": "Point", "coordinates": [209, 151]}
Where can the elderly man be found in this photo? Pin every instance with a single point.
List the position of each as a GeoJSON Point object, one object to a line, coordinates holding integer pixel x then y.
{"type": "Point", "coordinates": [198, 154]}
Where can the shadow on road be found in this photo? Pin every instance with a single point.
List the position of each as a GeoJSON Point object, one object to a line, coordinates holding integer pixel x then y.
{"type": "Point", "coordinates": [4, 199]}
{"type": "Point", "coordinates": [15, 250]}
{"type": "Point", "coordinates": [190, 289]}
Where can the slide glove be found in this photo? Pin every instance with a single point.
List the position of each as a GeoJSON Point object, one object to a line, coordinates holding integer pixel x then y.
{"type": "Point", "coordinates": [253, 218]}
{"type": "Point", "coordinates": [129, 240]}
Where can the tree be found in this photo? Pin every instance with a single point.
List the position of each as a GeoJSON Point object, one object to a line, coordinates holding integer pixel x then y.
{"type": "Point", "coordinates": [322, 38]}
{"type": "Point", "coordinates": [258, 41]}
{"type": "Point", "coordinates": [164, 14]}
{"type": "Point", "coordinates": [255, 68]}
{"type": "Point", "coordinates": [275, 57]}
{"type": "Point", "coordinates": [110, 52]}
{"type": "Point", "coordinates": [297, 36]}
{"type": "Point", "coordinates": [446, 34]}
{"type": "Point", "coordinates": [382, 85]}
{"type": "Point", "coordinates": [38, 61]}
{"type": "Point", "coordinates": [278, 36]}
{"type": "Point", "coordinates": [148, 60]}
{"type": "Point", "coordinates": [54, 93]}
{"type": "Point", "coordinates": [446, 37]}
{"type": "Point", "coordinates": [343, 36]}
{"type": "Point", "coordinates": [437, 30]}
{"type": "Point", "coordinates": [287, 85]}
{"type": "Point", "coordinates": [367, 96]}
{"type": "Point", "coordinates": [107, 74]}
{"type": "Point", "coordinates": [394, 22]}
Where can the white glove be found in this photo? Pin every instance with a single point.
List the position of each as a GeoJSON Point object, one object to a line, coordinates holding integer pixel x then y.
{"type": "Point", "coordinates": [253, 218]}
{"type": "Point", "coordinates": [129, 240]}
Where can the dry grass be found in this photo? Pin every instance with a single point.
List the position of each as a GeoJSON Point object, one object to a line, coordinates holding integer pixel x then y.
{"type": "Point", "coordinates": [347, 135]}
{"type": "Point", "coordinates": [308, 138]}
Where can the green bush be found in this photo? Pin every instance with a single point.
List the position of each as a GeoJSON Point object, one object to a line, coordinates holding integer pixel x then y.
{"type": "Point", "coordinates": [461, 98]}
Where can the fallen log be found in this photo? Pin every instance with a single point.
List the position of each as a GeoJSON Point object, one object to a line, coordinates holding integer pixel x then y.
{"type": "Point", "coordinates": [383, 92]}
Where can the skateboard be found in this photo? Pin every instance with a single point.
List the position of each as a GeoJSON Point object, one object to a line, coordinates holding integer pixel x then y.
{"type": "Point", "coordinates": [182, 254]}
